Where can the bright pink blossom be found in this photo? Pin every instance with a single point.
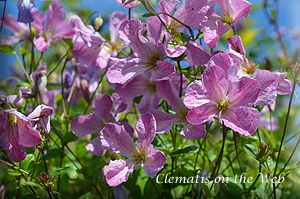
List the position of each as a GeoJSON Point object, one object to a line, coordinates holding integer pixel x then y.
{"type": "Point", "coordinates": [215, 96]}
{"type": "Point", "coordinates": [115, 138]}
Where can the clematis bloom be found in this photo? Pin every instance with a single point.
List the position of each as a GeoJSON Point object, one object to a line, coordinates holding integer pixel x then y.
{"type": "Point", "coordinates": [114, 138]}
{"type": "Point", "coordinates": [40, 117]}
{"type": "Point", "coordinates": [215, 96]}
{"type": "Point", "coordinates": [16, 132]}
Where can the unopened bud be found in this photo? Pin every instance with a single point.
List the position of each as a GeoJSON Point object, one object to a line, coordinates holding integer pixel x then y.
{"type": "Point", "coordinates": [98, 23]}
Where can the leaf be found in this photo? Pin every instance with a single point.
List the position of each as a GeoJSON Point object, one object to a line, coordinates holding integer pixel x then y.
{"type": "Point", "coordinates": [184, 150]}
{"type": "Point", "coordinates": [69, 43]}
{"type": "Point", "coordinates": [251, 150]}
{"type": "Point", "coordinates": [148, 15]}
{"type": "Point", "coordinates": [69, 137]}
{"type": "Point", "coordinates": [33, 184]}
{"type": "Point", "coordinates": [13, 172]}
{"type": "Point", "coordinates": [205, 188]}
{"type": "Point", "coordinates": [6, 49]}
{"type": "Point", "coordinates": [28, 162]}
{"type": "Point", "coordinates": [85, 196]}
{"type": "Point", "coordinates": [25, 84]}
{"type": "Point", "coordinates": [215, 189]}
{"type": "Point", "coordinates": [58, 171]}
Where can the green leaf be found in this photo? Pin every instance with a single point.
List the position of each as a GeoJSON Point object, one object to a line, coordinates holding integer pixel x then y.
{"type": "Point", "coordinates": [251, 150]}
{"type": "Point", "coordinates": [137, 100]}
{"type": "Point", "coordinates": [69, 43]}
{"type": "Point", "coordinates": [13, 172]}
{"type": "Point", "coordinates": [184, 150]}
{"type": "Point", "coordinates": [148, 15]}
{"type": "Point", "coordinates": [28, 162]}
{"type": "Point", "coordinates": [33, 184]}
{"type": "Point", "coordinates": [58, 171]}
{"type": "Point", "coordinates": [215, 189]}
{"type": "Point", "coordinates": [25, 84]}
{"type": "Point", "coordinates": [6, 49]}
{"type": "Point", "coordinates": [85, 196]}
{"type": "Point", "coordinates": [205, 188]}
{"type": "Point", "coordinates": [69, 137]}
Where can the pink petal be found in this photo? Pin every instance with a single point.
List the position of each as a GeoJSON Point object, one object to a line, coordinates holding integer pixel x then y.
{"type": "Point", "coordinates": [95, 147]}
{"type": "Point", "coordinates": [154, 163]}
{"type": "Point", "coordinates": [284, 86]}
{"type": "Point", "coordinates": [168, 92]}
{"type": "Point", "coordinates": [119, 170]}
{"type": "Point", "coordinates": [194, 132]}
{"type": "Point", "coordinates": [115, 20]}
{"type": "Point", "coordinates": [203, 113]}
{"type": "Point", "coordinates": [154, 29]}
{"type": "Point", "coordinates": [268, 83]}
{"type": "Point", "coordinates": [194, 95]}
{"type": "Point", "coordinates": [103, 106]}
{"type": "Point", "coordinates": [146, 128]}
{"type": "Point", "coordinates": [165, 71]}
{"type": "Point", "coordinates": [148, 102]}
{"type": "Point", "coordinates": [165, 121]}
{"type": "Point", "coordinates": [114, 138]}
{"type": "Point", "coordinates": [121, 71]}
{"type": "Point", "coordinates": [87, 124]}
{"type": "Point", "coordinates": [197, 54]}
{"type": "Point", "coordinates": [244, 93]}
{"type": "Point", "coordinates": [216, 85]}
{"type": "Point", "coordinates": [242, 120]}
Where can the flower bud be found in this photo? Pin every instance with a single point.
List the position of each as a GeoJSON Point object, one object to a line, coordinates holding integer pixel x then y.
{"type": "Point", "coordinates": [98, 23]}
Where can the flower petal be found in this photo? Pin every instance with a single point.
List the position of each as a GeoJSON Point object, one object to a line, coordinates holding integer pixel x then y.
{"type": "Point", "coordinates": [115, 139]}
{"type": "Point", "coordinates": [194, 95]}
{"type": "Point", "coordinates": [87, 124]}
{"type": "Point", "coordinates": [242, 120]}
{"type": "Point", "coordinates": [118, 171]}
{"type": "Point", "coordinates": [95, 147]}
{"type": "Point", "coordinates": [203, 113]}
{"type": "Point", "coordinates": [146, 128]}
{"type": "Point", "coordinates": [194, 132]}
{"type": "Point", "coordinates": [154, 163]}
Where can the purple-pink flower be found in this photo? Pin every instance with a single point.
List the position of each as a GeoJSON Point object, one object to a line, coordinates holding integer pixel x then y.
{"type": "Point", "coordinates": [218, 97]}
{"type": "Point", "coordinates": [40, 117]}
{"type": "Point", "coordinates": [115, 138]}
{"type": "Point", "coordinates": [16, 132]}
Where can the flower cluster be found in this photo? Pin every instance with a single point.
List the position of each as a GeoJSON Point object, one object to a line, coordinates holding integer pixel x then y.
{"type": "Point", "coordinates": [141, 61]}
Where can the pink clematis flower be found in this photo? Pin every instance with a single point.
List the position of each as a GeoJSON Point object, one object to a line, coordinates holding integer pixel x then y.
{"type": "Point", "coordinates": [114, 138]}
{"type": "Point", "coordinates": [149, 55]}
{"type": "Point", "coordinates": [142, 86]}
{"type": "Point", "coordinates": [94, 122]}
{"type": "Point", "coordinates": [218, 97]}
{"type": "Point", "coordinates": [129, 3]}
{"type": "Point", "coordinates": [271, 84]}
{"type": "Point", "coordinates": [191, 13]}
{"type": "Point", "coordinates": [20, 30]}
{"type": "Point", "coordinates": [232, 11]}
{"type": "Point", "coordinates": [16, 132]}
{"type": "Point", "coordinates": [40, 117]}
{"type": "Point", "coordinates": [87, 45]}
{"type": "Point", "coordinates": [165, 121]}
{"type": "Point", "coordinates": [51, 27]}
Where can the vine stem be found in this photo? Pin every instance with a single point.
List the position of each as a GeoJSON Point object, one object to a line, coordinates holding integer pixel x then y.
{"type": "Point", "coordinates": [219, 160]}
{"type": "Point", "coordinates": [285, 127]}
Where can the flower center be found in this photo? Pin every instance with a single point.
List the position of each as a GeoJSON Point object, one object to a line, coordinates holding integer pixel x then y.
{"type": "Point", "coordinates": [153, 58]}
{"type": "Point", "coordinates": [223, 105]}
{"type": "Point", "coordinates": [227, 19]}
{"type": "Point", "coordinates": [247, 68]}
{"type": "Point", "coordinates": [139, 158]}
{"type": "Point", "coordinates": [152, 86]}
{"type": "Point", "coordinates": [12, 119]}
